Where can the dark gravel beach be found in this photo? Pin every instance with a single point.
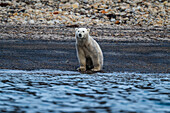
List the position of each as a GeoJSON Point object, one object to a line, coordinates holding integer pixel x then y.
{"type": "Point", "coordinates": [61, 55]}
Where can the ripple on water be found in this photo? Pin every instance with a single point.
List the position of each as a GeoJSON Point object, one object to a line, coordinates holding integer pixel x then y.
{"type": "Point", "coordinates": [65, 91]}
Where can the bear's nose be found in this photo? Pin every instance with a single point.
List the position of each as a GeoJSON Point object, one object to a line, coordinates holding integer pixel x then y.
{"type": "Point", "coordinates": [80, 35]}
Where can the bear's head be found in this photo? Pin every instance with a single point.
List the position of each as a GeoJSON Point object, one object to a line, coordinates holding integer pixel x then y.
{"type": "Point", "coordinates": [82, 33]}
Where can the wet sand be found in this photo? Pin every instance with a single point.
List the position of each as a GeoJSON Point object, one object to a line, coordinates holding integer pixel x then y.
{"type": "Point", "coordinates": [143, 57]}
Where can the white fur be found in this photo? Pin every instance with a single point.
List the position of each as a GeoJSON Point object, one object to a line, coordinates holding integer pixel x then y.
{"type": "Point", "coordinates": [89, 52]}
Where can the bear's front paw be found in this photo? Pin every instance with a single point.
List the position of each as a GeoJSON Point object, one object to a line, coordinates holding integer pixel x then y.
{"type": "Point", "coordinates": [81, 69]}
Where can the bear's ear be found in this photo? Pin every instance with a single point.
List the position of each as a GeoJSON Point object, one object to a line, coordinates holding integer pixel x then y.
{"type": "Point", "coordinates": [88, 30]}
{"type": "Point", "coordinates": [76, 29]}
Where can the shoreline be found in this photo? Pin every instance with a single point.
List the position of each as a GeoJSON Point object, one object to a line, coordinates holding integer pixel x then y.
{"type": "Point", "coordinates": [139, 57]}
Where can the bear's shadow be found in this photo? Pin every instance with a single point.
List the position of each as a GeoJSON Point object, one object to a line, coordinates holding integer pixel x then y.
{"type": "Point", "coordinates": [91, 72]}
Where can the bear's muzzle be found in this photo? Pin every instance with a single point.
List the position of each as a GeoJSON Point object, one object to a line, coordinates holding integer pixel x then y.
{"type": "Point", "coordinates": [80, 35]}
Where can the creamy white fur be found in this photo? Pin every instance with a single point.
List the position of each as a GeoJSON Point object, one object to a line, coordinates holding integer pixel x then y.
{"type": "Point", "coordinates": [88, 50]}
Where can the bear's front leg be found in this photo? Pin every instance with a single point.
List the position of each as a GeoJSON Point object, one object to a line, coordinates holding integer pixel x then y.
{"type": "Point", "coordinates": [82, 61]}
{"type": "Point", "coordinates": [81, 58]}
{"type": "Point", "coordinates": [81, 68]}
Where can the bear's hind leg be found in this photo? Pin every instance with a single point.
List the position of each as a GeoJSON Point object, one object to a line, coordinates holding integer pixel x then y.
{"type": "Point", "coordinates": [96, 68]}
{"type": "Point", "coordinates": [97, 64]}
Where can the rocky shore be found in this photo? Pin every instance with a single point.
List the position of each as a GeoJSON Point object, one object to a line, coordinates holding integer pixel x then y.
{"type": "Point", "coordinates": [86, 12]}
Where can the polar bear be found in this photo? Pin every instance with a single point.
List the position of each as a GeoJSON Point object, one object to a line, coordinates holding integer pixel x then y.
{"type": "Point", "coordinates": [89, 53]}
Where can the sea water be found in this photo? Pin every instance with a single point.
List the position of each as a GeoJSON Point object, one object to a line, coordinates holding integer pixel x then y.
{"type": "Point", "coordinates": [68, 91]}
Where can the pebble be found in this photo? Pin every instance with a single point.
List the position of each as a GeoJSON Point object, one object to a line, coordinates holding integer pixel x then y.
{"type": "Point", "coordinates": [31, 22]}
{"type": "Point", "coordinates": [86, 12]}
{"type": "Point", "coordinates": [112, 20]}
{"type": "Point", "coordinates": [76, 5]}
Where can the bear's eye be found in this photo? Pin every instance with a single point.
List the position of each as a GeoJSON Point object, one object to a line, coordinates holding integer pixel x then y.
{"type": "Point", "coordinates": [83, 31]}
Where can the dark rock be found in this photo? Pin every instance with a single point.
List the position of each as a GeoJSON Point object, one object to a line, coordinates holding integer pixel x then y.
{"type": "Point", "coordinates": [110, 16]}
{"type": "Point", "coordinates": [21, 11]}
{"type": "Point", "coordinates": [4, 4]}
{"type": "Point", "coordinates": [74, 25]}
{"type": "Point", "coordinates": [11, 11]}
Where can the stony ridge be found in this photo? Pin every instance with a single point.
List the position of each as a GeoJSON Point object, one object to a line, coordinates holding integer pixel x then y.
{"type": "Point", "coordinates": [86, 12]}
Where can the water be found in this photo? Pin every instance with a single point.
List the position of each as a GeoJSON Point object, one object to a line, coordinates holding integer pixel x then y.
{"type": "Point", "coordinates": [68, 91]}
